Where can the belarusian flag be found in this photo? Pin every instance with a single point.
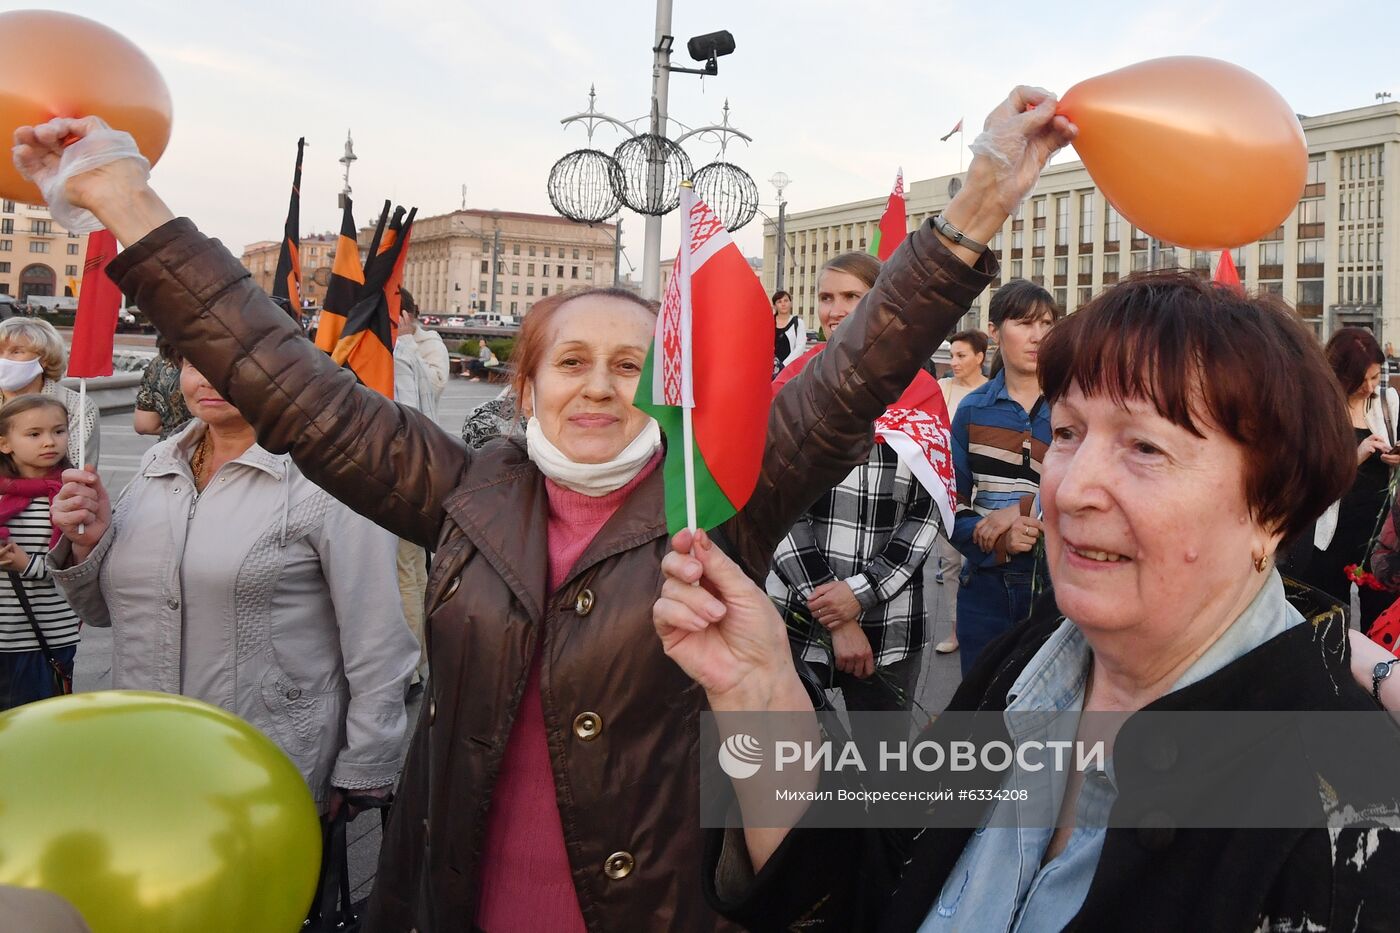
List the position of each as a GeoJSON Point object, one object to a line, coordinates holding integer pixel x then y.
{"type": "Point", "coordinates": [894, 223]}
{"type": "Point", "coordinates": [918, 429]}
{"type": "Point", "coordinates": [706, 378]}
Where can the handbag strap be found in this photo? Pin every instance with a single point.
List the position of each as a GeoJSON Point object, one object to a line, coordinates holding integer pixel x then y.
{"type": "Point", "coordinates": [17, 584]}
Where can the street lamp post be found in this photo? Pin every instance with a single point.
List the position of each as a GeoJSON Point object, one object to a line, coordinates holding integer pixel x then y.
{"type": "Point", "coordinates": [780, 180]}
{"type": "Point", "coordinates": [660, 92]}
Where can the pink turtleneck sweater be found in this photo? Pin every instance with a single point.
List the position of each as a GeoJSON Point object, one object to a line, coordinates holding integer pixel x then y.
{"type": "Point", "coordinates": [526, 881]}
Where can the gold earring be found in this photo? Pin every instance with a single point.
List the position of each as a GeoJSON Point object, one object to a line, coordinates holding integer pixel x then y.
{"type": "Point", "coordinates": [1260, 563]}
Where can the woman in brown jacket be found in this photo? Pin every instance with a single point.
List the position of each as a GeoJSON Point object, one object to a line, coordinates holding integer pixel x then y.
{"type": "Point", "coordinates": [545, 671]}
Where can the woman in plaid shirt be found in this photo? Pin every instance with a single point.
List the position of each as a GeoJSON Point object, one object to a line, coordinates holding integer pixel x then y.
{"type": "Point", "coordinates": [847, 576]}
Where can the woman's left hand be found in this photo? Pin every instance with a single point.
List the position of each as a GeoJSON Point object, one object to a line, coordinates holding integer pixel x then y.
{"type": "Point", "coordinates": [13, 557]}
{"type": "Point", "coordinates": [1390, 459]}
{"type": "Point", "coordinates": [834, 604]}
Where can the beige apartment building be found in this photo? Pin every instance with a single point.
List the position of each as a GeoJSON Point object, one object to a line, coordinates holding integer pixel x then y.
{"type": "Point", "coordinates": [1328, 259]}
{"type": "Point", "coordinates": [317, 252]}
{"type": "Point", "coordinates": [37, 256]}
{"type": "Point", "coordinates": [450, 261]}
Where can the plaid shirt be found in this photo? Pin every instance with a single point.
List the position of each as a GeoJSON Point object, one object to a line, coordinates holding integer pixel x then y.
{"type": "Point", "coordinates": [873, 530]}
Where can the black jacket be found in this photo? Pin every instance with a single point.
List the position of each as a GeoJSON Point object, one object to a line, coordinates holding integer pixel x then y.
{"type": "Point", "coordinates": [1147, 879]}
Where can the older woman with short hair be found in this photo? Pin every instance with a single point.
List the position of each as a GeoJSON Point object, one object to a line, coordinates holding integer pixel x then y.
{"type": "Point", "coordinates": [32, 360]}
{"type": "Point", "coordinates": [1192, 430]}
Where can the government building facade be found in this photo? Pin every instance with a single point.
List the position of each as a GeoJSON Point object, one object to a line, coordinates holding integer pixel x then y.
{"type": "Point", "coordinates": [1328, 259]}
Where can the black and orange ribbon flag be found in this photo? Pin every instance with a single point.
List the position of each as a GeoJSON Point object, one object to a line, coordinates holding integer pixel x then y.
{"type": "Point", "coordinates": [286, 283]}
{"type": "Point", "coordinates": [365, 342]}
{"type": "Point", "coordinates": [347, 276]}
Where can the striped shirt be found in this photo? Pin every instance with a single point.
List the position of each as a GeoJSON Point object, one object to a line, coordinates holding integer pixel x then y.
{"type": "Point", "coordinates": [31, 530]}
{"type": "Point", "coordinates": [997, 449]}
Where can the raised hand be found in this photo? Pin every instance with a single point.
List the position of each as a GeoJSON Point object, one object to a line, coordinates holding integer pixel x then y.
{"type": "Point", "coordinates": [82, 502]}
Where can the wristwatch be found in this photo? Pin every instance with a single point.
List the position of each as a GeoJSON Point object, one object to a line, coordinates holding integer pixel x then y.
{"type": "Point", "coordinates": [1379, 673]}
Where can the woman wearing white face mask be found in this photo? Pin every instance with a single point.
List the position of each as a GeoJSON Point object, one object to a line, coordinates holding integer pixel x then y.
{"type": "Point", "coordinates": [32, 360]}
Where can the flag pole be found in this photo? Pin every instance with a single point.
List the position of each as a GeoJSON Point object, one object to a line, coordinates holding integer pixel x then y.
{"type": "Point", "coordinates": [687, 376]}
{"type": "Point", "coordinates": [82, 410]}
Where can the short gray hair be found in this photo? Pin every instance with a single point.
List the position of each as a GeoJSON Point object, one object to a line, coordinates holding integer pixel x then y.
{"type": "Point", "coordinates": [41, 335]}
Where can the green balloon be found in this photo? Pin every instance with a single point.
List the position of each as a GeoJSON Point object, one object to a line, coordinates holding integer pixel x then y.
{"type": "Point", "coordinates": [154, 813]}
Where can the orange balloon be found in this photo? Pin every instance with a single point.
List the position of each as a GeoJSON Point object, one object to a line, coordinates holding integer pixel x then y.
{"type": "Point", "coordinates": [1194, 151]}
{"type": "Point", "coordinates": [61, 65]}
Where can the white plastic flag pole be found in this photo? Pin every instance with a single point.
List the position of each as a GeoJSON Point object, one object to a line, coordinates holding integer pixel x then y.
{"type": "Point", "coordinates": [687, 204]}
{"type": "Point", "coordinates": [82, 427]}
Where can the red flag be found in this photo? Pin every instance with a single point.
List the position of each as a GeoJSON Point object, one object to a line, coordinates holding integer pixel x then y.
{"type": "Point", "coordinates": [98, 301]}
{"type": "Point", "coordinates": [956, 129]}
{"type": "Point", "coordinates": [1226, 274]}
{"type": "Point", "coordinates": [894, 223]}
{"type": "Point", "coordinates": [917, 428]}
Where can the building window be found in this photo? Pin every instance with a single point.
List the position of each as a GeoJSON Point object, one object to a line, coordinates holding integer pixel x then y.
{"type": "Point", "coordinates": [1038, 237]}
{"type": "Point", "coordinates": [532, 251]}
{"type": "Point", "coordinates": [70, 270]}
{"type": "Point", "coordinates": [573, 270]}
{"type": "Point", "coordinates": [544, 290]}
{"type": "Point", "coordinates": [515, 249]}
{"type": "Point", "coordinates": [559, 270]}
{"type": "Point", "coordinates": [1086, 217]}
{"type": "Point", "coordinates": [7, 226]}
{"type": "Point", "coordinates": [1038, 271]}
{"type": "Point", "coordinates": [1271, 253]}
{"type": "Point", "coordinates": [515, 268]}
{"type": "Point", "coordinates": [1139, 260]}
{"type": "Point", "coordinates": [588, 272]}
{"type": "Point", "coordinates": [1062, 265]}
{"type": "Point", "coordinates": [590, 255]}
{"type": "Point", "coordinates": [1086, 294]}
{"type": "Point", "coordinates": [1110, 225]}
{"type": "Point", "coordinates": [514, 307]}
{"type": "Point", "coordinates": [500, 288]}
{"type": "Point", "coordinates": [529, 268]}
{"type": "Point", "coordinates": [576, 253]}
{"type": "Point", "coordinates": [1310, 212]}
{"type": "Point", "coordinates": [1309, 251]}
{"type": "Point", "coordinates": [1086, 265]}
{"type": "Point", "coordinates": [546, 252]}
{"type": "Point", "coordinates": [1317, 170]}
{"type": "Point", "coordinates": [1039, 208]}
{"type": "Point", "coordinates": [4, 288]}
{"type": "Point", "coordinates": [529, 288]}
{"type": "Point", "coordinates": [1018, 240]}
{"type": "Point", "coordinates": [995, 245]}
{"type": "Point", "coordinates": [1016, 268]}
{"type": "Point", "coordinates": [7, 206]}
{"type": "Point", "coordinates": [485, 266]}
{"type": "Point", "coordinates": [515, 288]}
{"type": "Point", "coordinates": [1062, 221]}
{"type": "Point", "coordinates": [4, 267]}
{"type": "Point", "coordinates": [38, 247]}
{"type": "Point", "coordinates": [483, 286]}
{"type": "Point", "coordinates": [1062, 297]}
{"type": "Point", "coordinates": [1110, 264]}
{"type": "Point", "coordinates": [40, 226]}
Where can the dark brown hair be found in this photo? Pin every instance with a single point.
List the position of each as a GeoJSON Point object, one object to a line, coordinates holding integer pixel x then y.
{"type": "Point", "coordinates": [1350, 352]}
{"type": "Point", "coordinates": [1196, 350]}
{"type": "Point", "coordinates": [533, 341]}
{"type": "Point", "coordinates": [780, 293]}
{"type": "Point", "coordinates": [1021, 300]}
{"type": "Point", "coordinates": [973, 338]}
{"type": "Point", "coordinates": [12, 410]}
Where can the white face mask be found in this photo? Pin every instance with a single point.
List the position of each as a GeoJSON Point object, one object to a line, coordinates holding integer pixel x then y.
{"type": "Point", "coordinates": [16, 374]}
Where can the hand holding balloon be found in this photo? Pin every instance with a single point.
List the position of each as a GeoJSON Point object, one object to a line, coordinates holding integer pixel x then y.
{"type": "Point", "coordinates": [62, 150]}
{"type": "Point", "coordinates": [87, 167]}
{"type": "Point", "coordinates": [1017, 139]}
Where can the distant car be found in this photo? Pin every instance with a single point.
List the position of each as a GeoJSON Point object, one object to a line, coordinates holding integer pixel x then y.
{"type": "Point", "coordinates": [8, 307]}
{"type": "Point", "coordinates": [126, 321]}
{"type": "Point", "coordinates": [456, 322]}
{"type": "Point", "coordinates": [431, 320]}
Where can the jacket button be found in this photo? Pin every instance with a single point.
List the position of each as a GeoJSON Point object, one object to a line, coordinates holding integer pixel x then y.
{"type": "Point", "coordinates": [584, 604]}
{"type": "Point", "coordinates": [294, 693]}
{"type": "Point", "coordinates": [619, 865]}
{"type": "Point", "coordinates": [588, 726]}
{"type": "Point", "coordinates": [451, 589]}
{"type": "Point", "coordinates": [173, 602]}
{"type": "Point", "coordinates": [432, 710]}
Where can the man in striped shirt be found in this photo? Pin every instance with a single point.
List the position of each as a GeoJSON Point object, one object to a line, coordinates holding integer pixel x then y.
{"type": "Point", "coordinates": [1000, 434]}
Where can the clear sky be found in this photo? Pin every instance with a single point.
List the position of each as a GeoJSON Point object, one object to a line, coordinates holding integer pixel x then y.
{"type": "Point", "coordinates": [837, 94]}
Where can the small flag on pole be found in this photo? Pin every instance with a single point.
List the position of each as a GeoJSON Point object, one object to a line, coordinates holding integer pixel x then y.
{"type": "Point", "coordinates": [949, 135]}
{"type": "Point", "coordinates": [99, 299]}
{"type": "Point", "coordinates": [286, 282]}
{"type": "Point", "coordinates": [1226, 274]}
{"type": "Point", "coordinates": [706, 378]}
{"type": "Point", "coordinates": [894, 223]}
